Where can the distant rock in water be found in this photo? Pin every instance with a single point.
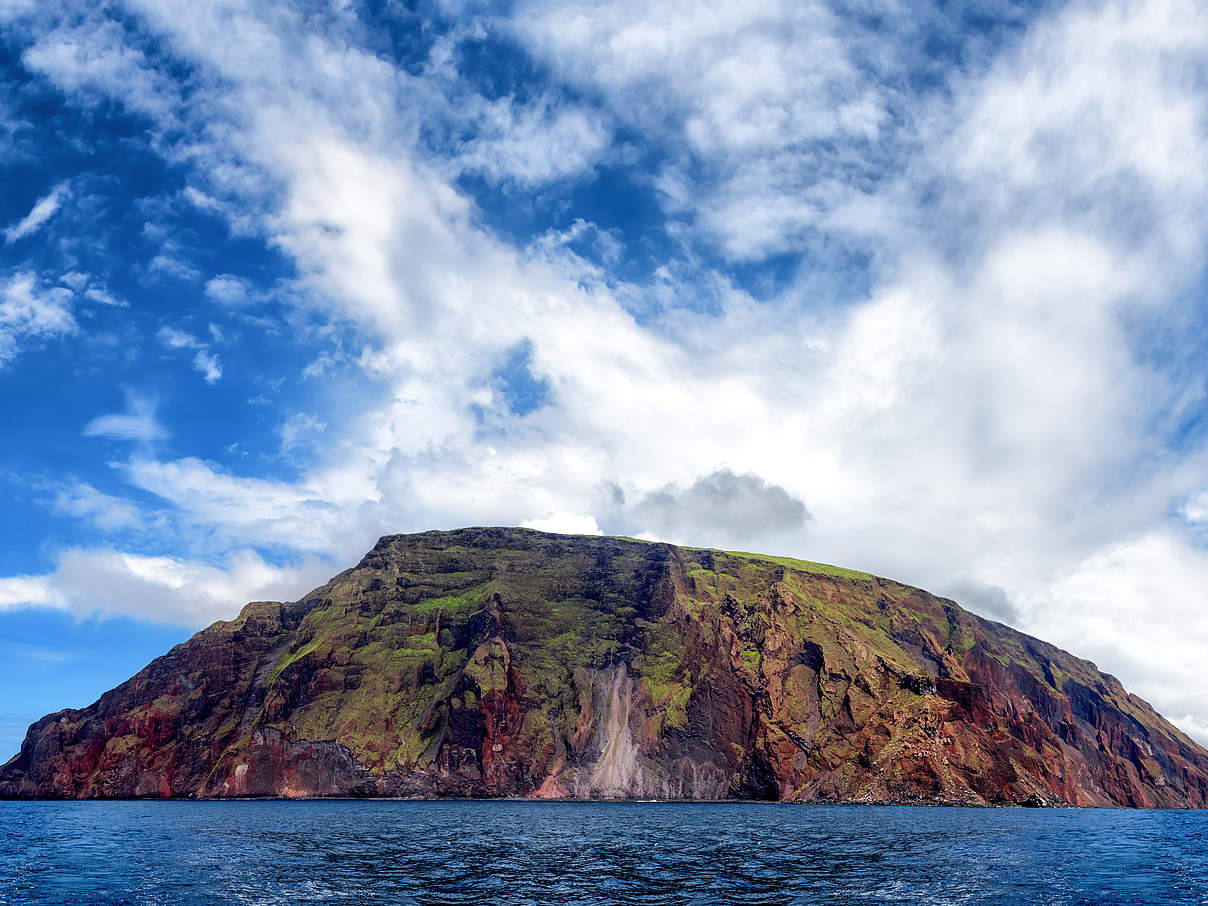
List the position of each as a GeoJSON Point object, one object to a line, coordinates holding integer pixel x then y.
{"type": "Point", "coordinates": [508, 662]}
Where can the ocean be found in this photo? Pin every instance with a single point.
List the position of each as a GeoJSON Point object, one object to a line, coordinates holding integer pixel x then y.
{"type": "Point", "coordinates": [395, 852]}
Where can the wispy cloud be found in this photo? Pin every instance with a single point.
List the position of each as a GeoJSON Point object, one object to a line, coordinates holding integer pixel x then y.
{"type": "Point", "coordinates": [37, 653]}
{"type": "Point", "coordinates": [204, 361]}
{"type": "Point", "coordinates": [81, 500]}
{"type": "Point", "coordinates": [29, 311]}
{"type": "Point", "coordinates": [95, 56]}
{"type": "Point", "coordinates": [136, 423]}
{"type": "Point", "coordinates": [299, 430]}
{"type": "Point", "coordinates": [41, 212]}
{"type": "Point", "coordinates": [102, 296]}
{"type": "Point", "coordinates": [227, 289]}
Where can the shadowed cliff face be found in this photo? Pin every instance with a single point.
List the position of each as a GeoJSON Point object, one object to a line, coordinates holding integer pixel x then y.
{"type": "Point", "coordinates": [506, 662]}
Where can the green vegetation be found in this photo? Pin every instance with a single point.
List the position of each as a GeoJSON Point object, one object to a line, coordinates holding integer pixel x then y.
{"type": "Point", "coordinates": [663, 667]}
{"type": "Point", "coordinates": [435, 626]}
{"type": "Point", "coordinates": [454, 603]}
{"type": "Point", "coordinates": [291, 657]}
{"type": "Point", "coordinates": [807, 566]}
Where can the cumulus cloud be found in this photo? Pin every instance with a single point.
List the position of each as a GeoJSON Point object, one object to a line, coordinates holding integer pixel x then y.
{"type": "Point", "coordinates": [720, 507]}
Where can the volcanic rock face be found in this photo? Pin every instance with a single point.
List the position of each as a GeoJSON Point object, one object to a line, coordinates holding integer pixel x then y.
{"type": "Point", "coordinates": [506, 662]}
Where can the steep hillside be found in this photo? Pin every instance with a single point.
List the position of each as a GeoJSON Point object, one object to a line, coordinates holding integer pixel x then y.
{"type": "Point", "coordinates": [507, 662]}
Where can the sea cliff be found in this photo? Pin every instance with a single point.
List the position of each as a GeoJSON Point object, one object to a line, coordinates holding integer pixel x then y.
{"type": "Point", "coordinates": [500, 662]}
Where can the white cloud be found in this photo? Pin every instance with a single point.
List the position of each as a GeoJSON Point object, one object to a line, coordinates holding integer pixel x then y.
{"type": "Point", "coordinates": [95, 59]}
{"type": "Point", "coordinates": [160, 589]}
{"type": "Point", "coordinates": [323, 363]}
{"type": "Point", "coordinates": [1195, 510]}
{"type": "Point", "coordinates": [733, 78]}
{"type": "Point", "coordinates": [28, 312]}
{"type": "Point", "coordinates": [205, 362]}
{"type": "Point", "coordinates": [81, 500]}
{"type": "Point", "coordinates": [538, 143]}
{"type": "Point", "coordinates": [1136, 605]}
{"type": "Point", "coordinates": [41, 212]}
{"type": "Point", "coordinates": [305, 517]}
{"type": "Point", "coordinates": [201, 200]}
{"type": "Point", "coordinates": [228, 289]}
{"type": "Point", "coordinates": [209, 365]}
{"type": "Point", "coordinates": [564, 523]}
{"type": "Point", "coordinates": [766, 102]}
{"type": "Point", "coordinates": [1193, 726]}
{"type": "Point", "coordinates": [137, 423]}
{"type": "Point", "coordinates": [12, 9]}
{"type": "Point", "coordinates": [177, 339]}
{"type": "Point", "coordinates": [300, 429]}
{"type": "Point", "coordinates": [168, 264]}
{"type": "Point", "coordinates": [27, 591]}
{"type": "Point", "coordinates": [74, 279]}
{"type": "Point", "coordinates": [988, 415]}
{"type": "Point", "coordinates": [102, 296]}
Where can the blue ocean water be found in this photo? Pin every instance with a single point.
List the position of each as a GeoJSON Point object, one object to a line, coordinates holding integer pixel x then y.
{"type": "Point", "coordinates": [534, 852]}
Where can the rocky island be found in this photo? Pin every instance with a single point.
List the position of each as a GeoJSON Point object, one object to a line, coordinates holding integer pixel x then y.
{"type": "Point", "coordinates": [503, 662]}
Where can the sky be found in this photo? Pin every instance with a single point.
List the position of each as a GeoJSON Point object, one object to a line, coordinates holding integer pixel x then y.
{"type": "Point", "coordinates": [916, 289]}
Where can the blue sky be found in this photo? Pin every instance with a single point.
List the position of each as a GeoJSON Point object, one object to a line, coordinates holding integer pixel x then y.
{"type": "Point", "coordinates": [917, 289]}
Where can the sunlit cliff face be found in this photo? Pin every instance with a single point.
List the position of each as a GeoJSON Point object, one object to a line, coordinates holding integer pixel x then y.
{"type": "Point", "coordinates": [507, 662]}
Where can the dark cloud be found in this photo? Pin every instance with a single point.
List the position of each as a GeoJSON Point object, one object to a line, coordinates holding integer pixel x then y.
{"type": "Point", "coordinates": [721, 506]}
{"type": "Point", "coordinates": [989, 601]}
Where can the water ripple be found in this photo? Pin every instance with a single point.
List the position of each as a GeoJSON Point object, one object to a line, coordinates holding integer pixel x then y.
{"type": "Point", "coordinates": [448, 853]}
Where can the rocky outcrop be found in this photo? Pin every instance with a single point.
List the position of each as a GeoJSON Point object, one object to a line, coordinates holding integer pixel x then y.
{"type": "Point", "coordinates": [507, 662]}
